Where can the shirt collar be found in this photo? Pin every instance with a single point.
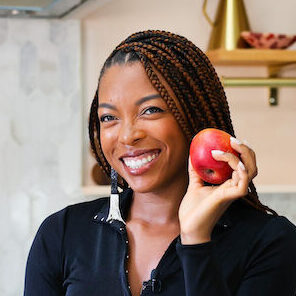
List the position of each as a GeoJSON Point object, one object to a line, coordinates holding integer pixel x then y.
{"type": "Point", "coordinates": [227, 220]}
{"type": "Point", "coordinates": [125, 198]}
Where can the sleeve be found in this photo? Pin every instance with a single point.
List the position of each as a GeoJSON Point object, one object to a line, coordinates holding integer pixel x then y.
{"type": "Point", "coordinates": [271, 270]}
{"type": "Point", "coordinates": [44, 274]}
{"type": "Point", "coordinates": [201, 273]}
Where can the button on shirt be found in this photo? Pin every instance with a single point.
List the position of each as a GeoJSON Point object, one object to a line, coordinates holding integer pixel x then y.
{"type": "Point", "coordinates": [76, 252]}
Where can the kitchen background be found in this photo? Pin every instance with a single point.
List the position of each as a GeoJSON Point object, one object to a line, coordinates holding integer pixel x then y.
{"type": "Point", "coordinates": [48, 74]}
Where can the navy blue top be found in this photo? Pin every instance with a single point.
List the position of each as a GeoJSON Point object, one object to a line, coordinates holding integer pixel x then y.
{"type": "Point", "coordinates": [77, 253]}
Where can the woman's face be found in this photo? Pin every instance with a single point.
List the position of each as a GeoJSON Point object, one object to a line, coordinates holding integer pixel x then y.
{"type": "Point", "coordinates": [139, 135]}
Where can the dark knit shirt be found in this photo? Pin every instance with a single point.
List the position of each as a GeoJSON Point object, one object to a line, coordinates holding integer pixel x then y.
{"type": "Point", "coordinates": [77, 253]}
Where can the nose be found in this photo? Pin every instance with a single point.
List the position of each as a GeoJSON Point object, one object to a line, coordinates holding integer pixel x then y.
{"type": "Point", "coordinates": [130, 133]}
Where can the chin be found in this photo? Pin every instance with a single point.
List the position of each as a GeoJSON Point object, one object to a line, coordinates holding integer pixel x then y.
{"type": "Point", "coordinates": [143, 187]}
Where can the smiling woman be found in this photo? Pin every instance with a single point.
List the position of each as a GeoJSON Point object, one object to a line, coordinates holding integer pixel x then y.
{"type": "Point", "coordinates": [167, 232]}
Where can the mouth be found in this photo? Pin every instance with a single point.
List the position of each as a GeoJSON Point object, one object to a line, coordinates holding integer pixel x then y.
{"type": "Point", "coordinates": [140, 163]}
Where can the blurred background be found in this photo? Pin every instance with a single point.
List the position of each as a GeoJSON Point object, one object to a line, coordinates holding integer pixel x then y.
{"type": "Point", "coordinates": [51, 53]}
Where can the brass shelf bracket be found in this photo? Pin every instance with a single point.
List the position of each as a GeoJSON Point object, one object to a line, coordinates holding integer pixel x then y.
{"type": "Point", "coordinates": [273, 71]}
{"type": "Point", "coordinates": [272, 82]}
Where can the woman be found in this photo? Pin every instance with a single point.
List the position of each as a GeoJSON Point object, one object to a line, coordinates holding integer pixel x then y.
{"type": "Point", "coordinates": [167, 232]}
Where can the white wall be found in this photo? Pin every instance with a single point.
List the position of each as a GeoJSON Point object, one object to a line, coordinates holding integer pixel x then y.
{"type": "Point", "coordinates": [40, 128]}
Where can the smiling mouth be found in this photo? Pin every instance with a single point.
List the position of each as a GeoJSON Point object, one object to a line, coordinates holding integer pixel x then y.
{"type": "Point", "coordinates": [140, 161]}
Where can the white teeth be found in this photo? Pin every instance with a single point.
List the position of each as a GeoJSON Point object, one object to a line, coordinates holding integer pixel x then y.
{"type": "Point", "coordinates": [135, 164]}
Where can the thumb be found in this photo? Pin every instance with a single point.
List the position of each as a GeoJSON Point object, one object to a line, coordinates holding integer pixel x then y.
{"type": "Point", "coordinates": [194, 178]}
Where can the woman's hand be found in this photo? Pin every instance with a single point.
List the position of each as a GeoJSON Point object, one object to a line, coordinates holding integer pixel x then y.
{"type": "Point", "coordinates": [202, 206]}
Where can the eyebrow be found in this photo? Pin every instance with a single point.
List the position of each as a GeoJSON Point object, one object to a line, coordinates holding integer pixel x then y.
{"type": "Point", "coordinates": [139, 102]}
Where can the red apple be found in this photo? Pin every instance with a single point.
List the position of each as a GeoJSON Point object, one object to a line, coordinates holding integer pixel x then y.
{"type": "Point", "coordinates": [209, 169]}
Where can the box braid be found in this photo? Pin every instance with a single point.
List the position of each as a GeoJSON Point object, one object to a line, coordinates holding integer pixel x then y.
{"type": "Point", "coordinates": [191, 76]}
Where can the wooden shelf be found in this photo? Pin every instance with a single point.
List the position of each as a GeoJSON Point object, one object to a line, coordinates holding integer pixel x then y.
{"type": "Point", "coordinates": [96, 190]}
{"type": "Point", "coordinates": [253, 57]}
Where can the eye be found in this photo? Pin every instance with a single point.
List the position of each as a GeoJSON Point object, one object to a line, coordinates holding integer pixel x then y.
{"type": "Point", "coordinates": [152, 110]}
{"type": "Point", "coordinates": [106, 118]}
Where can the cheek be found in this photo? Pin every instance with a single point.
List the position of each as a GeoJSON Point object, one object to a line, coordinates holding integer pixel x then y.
{"type": "Point", "coordinates": [175, 139]}
{"type": "Point", "coordinates": [107, 142]}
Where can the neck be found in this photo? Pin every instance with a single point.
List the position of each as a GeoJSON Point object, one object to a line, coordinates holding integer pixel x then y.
{"type": "Point", "coordinates": [159, 207]}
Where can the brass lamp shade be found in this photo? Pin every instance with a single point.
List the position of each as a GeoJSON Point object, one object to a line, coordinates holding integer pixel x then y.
{"type": "Point", "coordinates": [231, 19]}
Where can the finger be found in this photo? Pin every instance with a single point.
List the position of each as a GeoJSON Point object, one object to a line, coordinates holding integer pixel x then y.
{"type": "Point", "coordinates": [235, 178]}
{"type": "Point", "coordinates": [243, 182]}
{"type": "Point", "coordinates": [230, 158]}
{"type": "Point", "coordinates": [237, 186]}
{"type": "Point", "coordinates": [247, 155]}
{"type": "Point", "coordinates": [193, 176]}
{"type": "Point", "coordinates": [240, 147]}
{"type": "Point", "coordinates": [246, 143]}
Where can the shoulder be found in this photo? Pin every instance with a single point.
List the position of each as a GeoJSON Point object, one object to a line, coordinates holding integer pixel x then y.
{"type": "Point", "coordinates": [269, 240]}
{"type": "Point", "coordinates": [87, 209]}
{"type": "Point", "coordinates": [266, 226]}
{"type": "Point", "coordinates": [256, 231]}
{"type": "Point", "coordinates": [279, 232]}
{"type": "Point", "coordinates": [58, 221]}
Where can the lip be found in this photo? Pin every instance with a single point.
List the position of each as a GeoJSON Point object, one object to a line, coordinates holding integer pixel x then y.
{"type": "Point", "coordinates": [142, 170]}
{"type": "Point", "coordinates": [138, 152]}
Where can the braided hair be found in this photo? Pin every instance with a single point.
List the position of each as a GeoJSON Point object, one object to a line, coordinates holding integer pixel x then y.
{"type": "Point", "coordinates": [191, 76]}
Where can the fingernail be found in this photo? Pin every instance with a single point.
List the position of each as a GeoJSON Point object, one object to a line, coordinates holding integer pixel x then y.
{"type": "Point", "coordinates": [217, 152]}
{"type": "Point", "coordinates": [242, 166]}
{"type": "Point", "coordinates": [235, 140]}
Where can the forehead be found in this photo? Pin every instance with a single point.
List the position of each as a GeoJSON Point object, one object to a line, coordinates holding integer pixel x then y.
{"type": "Point", "coordinates": [127, 79]}
{"type": "Point", "coordinates": [130, 82]}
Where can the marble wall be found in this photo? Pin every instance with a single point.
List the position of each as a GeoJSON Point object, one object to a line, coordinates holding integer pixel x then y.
{"type": "Point", "coordinates": [41, 131]}
{"type": "Point", "coordinates": [283, 203]}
